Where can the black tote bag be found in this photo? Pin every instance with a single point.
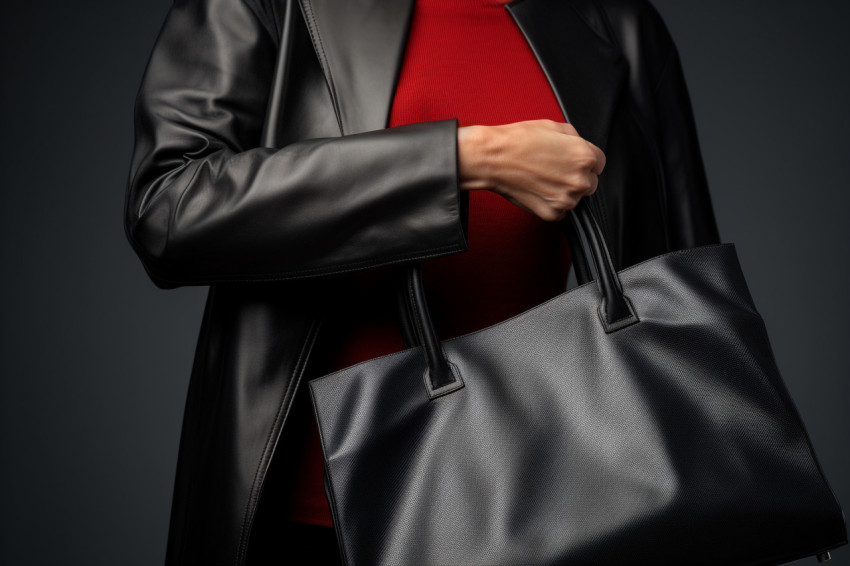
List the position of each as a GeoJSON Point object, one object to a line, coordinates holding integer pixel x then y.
{"type": "Point", "coordinates": [637, 419]}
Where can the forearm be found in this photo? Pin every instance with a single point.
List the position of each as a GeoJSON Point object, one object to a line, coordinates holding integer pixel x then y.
{"type": "Point", "coordinates": [205, 204]}
{"type": "Point", "coordinates": [315, 207]}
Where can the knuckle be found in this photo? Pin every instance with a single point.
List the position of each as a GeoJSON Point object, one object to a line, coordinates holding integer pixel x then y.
{"type": "Point", "coordinates": [602, 161]}
{"type": "Point", "coordinates": [544, 123]}
{"type": "Point", "coordinates": [553, 215]}
{"type": "Point", "coordinates": [589, 157]}
{"type": "Point", "coordinates": [584, 163]}
{"type": "Point", "coordinates": [546, 213]}
{"type": "Point", "coordinates": [565, 203]}
{"type": "Point", "coordinates": [580, 182]}
{"type": "Point", "coordinates": [584, 160]}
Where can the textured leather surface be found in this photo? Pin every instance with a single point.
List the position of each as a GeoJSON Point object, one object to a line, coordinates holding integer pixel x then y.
{"type": "Point", "coordinates": [269, 187]}
{"type": "Point", "coordinates": [672, 439]}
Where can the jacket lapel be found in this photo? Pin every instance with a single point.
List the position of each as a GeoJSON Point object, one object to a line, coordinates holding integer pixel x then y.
{"type": "Point", "coordinates": [360, 44]}
{"type": "Point", "coordinates": [586, 72]}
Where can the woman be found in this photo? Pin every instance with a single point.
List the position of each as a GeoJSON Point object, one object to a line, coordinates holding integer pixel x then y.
{"type": "Point", "coordinates": [453, 140]}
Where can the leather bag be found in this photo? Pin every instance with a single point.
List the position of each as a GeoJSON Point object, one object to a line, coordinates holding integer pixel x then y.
{"type": "Point", "coordinates": [638, 418]}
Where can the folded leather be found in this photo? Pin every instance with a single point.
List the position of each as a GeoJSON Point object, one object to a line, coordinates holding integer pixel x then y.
{"type": "Point", "coordinates": [687, 199]}
{"type": "Point", "coordinates": [668, 207]}
{"type": "Point", "coordinates": [198, 135]}
{"type": "Point", "coordinates": [205, 204]}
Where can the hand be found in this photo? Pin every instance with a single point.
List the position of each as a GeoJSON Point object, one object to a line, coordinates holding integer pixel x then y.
{"type": "Point", "coordinates": [542, 166]}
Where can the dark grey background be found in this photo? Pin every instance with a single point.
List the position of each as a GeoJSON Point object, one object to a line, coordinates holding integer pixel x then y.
{"type": "Point", "coordinates": [95, 360]}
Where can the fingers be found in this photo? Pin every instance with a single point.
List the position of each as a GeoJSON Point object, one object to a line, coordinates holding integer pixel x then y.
{"type": "Point", "coordinates": [554, 172]}
{"type": "Point", "coordinates": [589, 158]}
{"type": "Point", "coordinates": [599, 164]}
{"type": "Point", "coordinates": [594, 183]}
{"type": "Point", "coordinates": [569, 129]}
{"type": "Point", "coordinates": [563, 127]}
{"type": "Point", "coordinates": [587, 184]}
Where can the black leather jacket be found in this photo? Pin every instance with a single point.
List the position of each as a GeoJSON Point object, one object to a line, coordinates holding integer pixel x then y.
{"type": "Point", "coordinates": [263, 168]}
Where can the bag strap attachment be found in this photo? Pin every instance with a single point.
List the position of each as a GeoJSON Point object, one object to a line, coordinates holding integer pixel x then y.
{"type": "Point", "coordinates": [441, 376]}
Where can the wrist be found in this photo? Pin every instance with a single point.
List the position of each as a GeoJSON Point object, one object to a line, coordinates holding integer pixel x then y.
{"type": "Point", "coordinates": [474, 157]}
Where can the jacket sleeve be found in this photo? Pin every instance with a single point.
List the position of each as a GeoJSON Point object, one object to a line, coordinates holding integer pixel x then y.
{"type": "Point", "coordinates": [686, 198]}
{"type": "Point", "coordinates": [205, 204]}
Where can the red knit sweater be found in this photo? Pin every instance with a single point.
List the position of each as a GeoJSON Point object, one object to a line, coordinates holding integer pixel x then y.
{"type": "Point", "coordinates": [465, 59]}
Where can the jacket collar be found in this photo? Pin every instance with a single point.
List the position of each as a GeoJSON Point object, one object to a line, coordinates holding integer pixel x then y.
{"type": "Point", "coordinates": [361, 43]}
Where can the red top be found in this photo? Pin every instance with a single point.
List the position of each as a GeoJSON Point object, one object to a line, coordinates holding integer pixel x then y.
{"type": "Point", "coordinates": [465, 59]}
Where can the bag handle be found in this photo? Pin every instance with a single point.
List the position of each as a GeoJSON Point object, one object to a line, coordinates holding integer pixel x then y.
{"type": "Point", "coordinates": [441, 376]}
{"type": "Point", "coordinates": [615, 310]}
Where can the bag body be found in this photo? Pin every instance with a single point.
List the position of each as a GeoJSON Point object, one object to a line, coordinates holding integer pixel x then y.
{"type": "Point", "coordinates": [566, 439]}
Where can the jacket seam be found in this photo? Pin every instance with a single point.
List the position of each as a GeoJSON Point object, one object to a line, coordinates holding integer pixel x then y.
{"type": "Point", "coordinates": [204, 339]}
{"type": "Point", "coordinates": [222, 363]}
{"type": "Point", "coordinates": [313, 29]}
{"type": "Point", "coordinates": [457, 204]}
{"type": "Point", "coordinates": [294, 381]}
{"type": "Point", "coordinates": [351, 266]}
